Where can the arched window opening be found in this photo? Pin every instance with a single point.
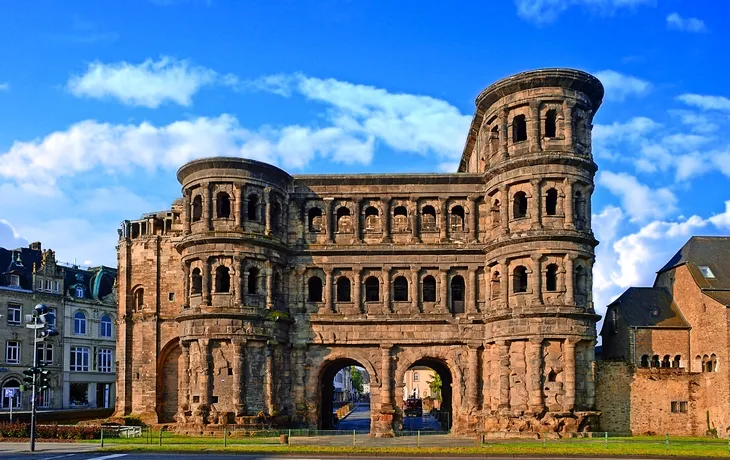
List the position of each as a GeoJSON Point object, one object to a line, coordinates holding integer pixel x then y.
{"type": "Point", "coordinates": [495, 286]}
{"type": "Point", "coordinates": [314, 217]}
{"type": "Point", "coordinates": [519, 205]}
{"type": "Point", "coordinates": [550, 123]}
{"type": "Point", "coordinates": [655, 361]}
{"type": "Point", "coordinates": [495, 212]}
{"type": "Point", "coordinates": [581, 287]}
{"type": "Point", "coordinates": [343, 289]}
{"type": "Point", "coordinates": [494, 140]}
{"type": "Point", "coordinates": [275, 216]}
{"type": "Point", "coordinates": [6, 400]}
{"type": "Point", "coordinates": [676, 363]}
{"type": "Point", "coordinates": [105, 326]}
{"type": "Point", "coordinates": [79, 323]}
{"type": "Point", "coordinates": [197, 210]}
{"type": "Point", "coordinates": [429, 289]}
{"type": "Point", "coordinates": [253, 280]}
{"type": "Point", "coordinates": [645, 361]}
{"type": "Point", "coordinates": [252, 209]}
{"type": "Point", "coordinates": [428, 218]}
{"type": "Point", "coordinates": [457, 294]}
{"type": "Point", "coordinates": [278, 287]}
{"type": "Point", "coordinates": [666, 361]}
{"type": "Point", "coordinates": [222, 279]}
{"type": "Point", "coordinates": [344, 221]}
{"type": "Point", "coordinates": [139, 298]}
{"type": "Point", "coordinates": [579, 208]}
{"type": "Point", "coordinates": [400, 289]}
{"type": "Point", "coordinates": [551, 278]}
{"type": "Point", "coordinates": [400, 219]}
{"type": "Point", "coordinates": [713, 363]}
{"type": "Point", "coordinates": [552, 376]}
{"type": "Point", "coordinates": [223, 205]}
{"type": "Point", "coordinates": [519, 282]}
{"type": "Point", "coordinates": [196, 282]}
{"type": "Point", "coordinates": [314, 286]}
{"type": "Point", "coordinates": [372, 289]}
{"type": "Point", "coordinates": [551, 202]}
{"type": "Point", "coordinates": [372, 219]}
{"type": "Point", "coordinates": [457, 219]}
{"type": "Point", "coordinates": [580, 130]}
{"type": "Point", "coordinates": [519, 128]}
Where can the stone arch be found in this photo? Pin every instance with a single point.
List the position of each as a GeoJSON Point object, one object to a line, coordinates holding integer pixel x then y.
{"type": "Point", "coordinates": [168, 378]}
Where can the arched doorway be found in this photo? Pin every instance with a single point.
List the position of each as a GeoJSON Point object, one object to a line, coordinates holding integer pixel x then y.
{"type": "Point", "coordinates": [343, 381]}
{"type": "Point", "coordinates": [167, 382]}
{"type": "Point", "coordinates": [427, 396]}
{"type": "Point", "coordinates": [11, 386]}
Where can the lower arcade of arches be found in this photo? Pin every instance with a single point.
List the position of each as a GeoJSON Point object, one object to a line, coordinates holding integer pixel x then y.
{"type": "Point", "coordinates": [506, 386]}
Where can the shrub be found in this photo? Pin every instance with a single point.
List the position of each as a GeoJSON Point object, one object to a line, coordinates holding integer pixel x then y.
{"type": "Point", "coordinates": [22, 430]}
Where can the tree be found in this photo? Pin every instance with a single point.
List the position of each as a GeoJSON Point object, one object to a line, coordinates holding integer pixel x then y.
{"type": "Point", "coordinates": [356, 378]}
{"type": "Point", "coordinates": [435, 386]}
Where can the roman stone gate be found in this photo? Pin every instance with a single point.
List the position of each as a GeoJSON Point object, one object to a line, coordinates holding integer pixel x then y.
{"type": "Point", "coordinates": [239, 304]}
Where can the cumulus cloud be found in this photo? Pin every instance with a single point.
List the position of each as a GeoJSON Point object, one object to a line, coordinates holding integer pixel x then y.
{"type": "Point", "coordinates": [705, 102]}
{"type": "Point", "coordinates": [545, 11]}
{"type": "Point", "coordinates": [677, 22]}
{"type": "Point", "coordinates": [148, 84]}
{"type": "Point", "coordinates": [618, 86]}
{"type": "Point", "coordinates": [9, 237]}
{"type": "Point", "coordinates": [639, 200]}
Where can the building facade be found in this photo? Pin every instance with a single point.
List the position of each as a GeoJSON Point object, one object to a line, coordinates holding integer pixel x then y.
{"type": "Point", "coordinates": [31, 276]}
{"type": "Point", "coordinates": [663, 366]}
{"type": "Point", "coordinates": [417, 382]}
{"type": "Point", "coordinates": [245, 298]}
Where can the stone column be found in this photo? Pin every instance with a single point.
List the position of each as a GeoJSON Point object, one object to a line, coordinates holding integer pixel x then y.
{"type": "Point", "coordinates": [444, 285]}
{"type": "Point", "coordinates": [486, 377]}
{"type": "Point", "coordinates": [386, 289]}
{"type": "Point", "coordinates": [568, 124]}
{"type": "Point", "coordinates": [503, 133]}
{"type": "Point", "coordinates": [589, 283]}
{"type": "Point", "coordinates": [239, 390]}
{"type": "Point", "coordinates": [473, 219]}
{"type": "Point", "coordinates": [269, 271]}
{"type": "Point", "coordinates": [302, 271]}
{"type": "Point", "coordinates": [471, 291]}
{"type": "Point", "coordinates": [299, 361]}
{"type": "Point", "coordinates": [413, 288]}
{"type": "Point", "coordinates": [386, 396]}
{"type": "Point", "coordinates": [414, 221]}
{"type": "Point", "coordinates": [443, 222]}
{"type": "Point", "coordinates": [569, 280]}
{"type": "Point", "coordinates": [504, 211]}
{"type": "Point", "coordinates": [356, 233]}
{"type": "Point", "coordinates": [188, 212]}
{"type": "Point", "coordinates": [237, 287]}
{"type": "Point", "coordinates": [244, 285]}
{"type": "Point", "coordinates": [568, 205]}
{"type": "Point", "coordinates": [534, 381]}
{"type": "Point", "coordinates": [535, 279]}
{"type": "Point", "coordinates": [205, 370]}
{"type": "Point", "coordinates": [236, 205]}
{"type": "Point", "coordinates": [504, 282]}
{"type": "Point", "coordinates": [535, 205]}
{"type": "Point", "coordinates": [269, 377]}
{"type": "Point", "coordinates": [472, 378]}
{"type": "Point", "coordinates": [329, 219]}
{"type": "Point", "coordinates": [186, 284]}
{"type": "Point", "coordinates": [267, 210]}
{"type": "Point", "coordinates": [504, 371]}
{"type": "Point", "coordinates": [328, 291]}
{"type": "Point", "coordinates": [591, 376]}
{"type": "Point", "coordinates": [357, 288]}
{"type": "Point", "coordinates": [302, 228]}
{"type": "Point", "coordinates": [184, 385]}
{"type": "Point", "coordinates": [589, 193]}
{"type": "Point", "coordinates": [569, 369]}
{"type": "Point", "coordinates": [206, 206]}
{"type": "Point", "coordinates": [385, 223]}
{"type": "Point", "coordinates": [206, 282]}
{"type": "Point", "coordinates": [533, 127]}
{"type": "Point", "coordinates": [239, 206]}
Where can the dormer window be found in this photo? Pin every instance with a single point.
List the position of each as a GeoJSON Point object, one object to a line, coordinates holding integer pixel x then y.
{"type": "Point", "coordinates": [706, 272]}
{"type": "Point", "coordinates": [79, 292]}
{"type": "Point", "coordinates": [14, 280]}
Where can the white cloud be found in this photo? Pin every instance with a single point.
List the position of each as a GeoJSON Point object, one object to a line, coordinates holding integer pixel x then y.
{"type": "Point", "coordinates": [640, 201]}
{"type": "Point", "coordinates": [677, 22]}
{"type": "Point", "coordinates": [618, 86]}
{"type": "Point", "coordinates": [148, 84]}
{"type": "Point", "coordinates": [545, 11]}
{"type": "Point", "coordinates": [9, 237]}
{"type": "Point", "coordinates": [4, 86]}
{"type": "Point", "coordinates": [706, 102]}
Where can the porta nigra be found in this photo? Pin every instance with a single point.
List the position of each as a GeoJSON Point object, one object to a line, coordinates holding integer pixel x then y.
{"type": "Point", "coordinates": [243, 300]}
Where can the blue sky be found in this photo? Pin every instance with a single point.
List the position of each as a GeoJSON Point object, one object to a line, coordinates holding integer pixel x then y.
{"type": "Point", "coordinates": [100, 103]}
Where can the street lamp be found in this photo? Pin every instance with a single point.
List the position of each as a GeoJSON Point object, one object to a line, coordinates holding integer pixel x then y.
{"type": "Point", "coordinates": [40, 315]}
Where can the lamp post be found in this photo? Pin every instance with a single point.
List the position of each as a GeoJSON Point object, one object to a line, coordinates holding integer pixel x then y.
{"type": "Point", "coordinates": [40, 313]}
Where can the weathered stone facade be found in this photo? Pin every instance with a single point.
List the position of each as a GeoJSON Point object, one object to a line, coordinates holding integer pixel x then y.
{"type": "Point", "coordinates": [256, 287]}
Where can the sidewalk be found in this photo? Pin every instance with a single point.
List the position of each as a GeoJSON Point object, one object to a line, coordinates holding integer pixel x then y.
{"type": "Point", "coordinates": [47, 447]}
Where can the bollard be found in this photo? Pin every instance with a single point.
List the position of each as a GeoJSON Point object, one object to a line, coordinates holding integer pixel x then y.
{"type": "Point", "coordinates": [666, 440]}
{"type": "Point", "coordinates": [225, 436]}
{"type": "Point", "coordinates": [418, 438]}
{"type": "Point", "coordinates": [353, 439]}
{"type": "Point", "coordinates": [160, 436]}
{"type": "Point", "coordinates": [102, 437]}
{"type": "Point", "coordinates": [606, 438]}
{"type": "Point", "coordinates": [544, 442]}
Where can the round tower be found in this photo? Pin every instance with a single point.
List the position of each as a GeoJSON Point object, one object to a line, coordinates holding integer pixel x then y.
{"type": "Point", "coordinates": [532, 140]}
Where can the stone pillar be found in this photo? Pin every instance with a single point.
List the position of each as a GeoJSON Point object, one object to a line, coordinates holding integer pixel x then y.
{"type": "Point", "coordinates": [568, 124]}
{"type": "Point", "coordinates": [386, 395]}
{"type": "Point", "coordinates": [302, 228]}
{"type": "Point", "coordinates": [533, 127]}
{"type": "Point", "coordinates": [534, 381]}
{"type": "Point", "coordinates": [472, 378]}
{"type": "Point", "coordinates": [414, 221]}
{"type": "Point", "coordinates": [206, 366]}
{"type": "Point", "coordinates": [356, 217]}
{"type": "Point", "coordinates": [569, 280]}
{"type": "Point", "coordinates": [591, 376]}
{"type": "Point", "coordinates": [386, 290]}
{"type": "Point", "coordinates": [206, 206]}
{"type": "Point", "coordinates": [504, 371]}
{"type": "Point", "coordinates": [188, 212]}
{"type": "Point", "coordinates": [184, 384]}
{"type": "Point", "coordinates": [269, 377]}
{"type": "Point", "coordinates": [535, 205]}
{"type": "Point", "coordinates": [300, 372]}
{"type": "Point", "coordinates": [569, 369]}
{"type": "Point", "coordinates": [186, 284]}
{"type": "Point", "coordinates": [239, 206]}
{"type": "Point", "coordinates": [471, 291]}
{"type": "Point", "coordinates": [589, 193]}
{"type": "Point", "coordinates": [329, 219]}
{"type": "Point", "coordinates": [504, 211]}
{"type": "Point", "coordinates": [239, 390]}
{"type": "Point", "coordinates": [504, 282]}
{"type": "Point", "coordinates": [328, 291]}
{"type": "Point", "coordinates": [444, 282]}
{"type": "Point", "coordinates": [385, 223]}
{"type": "Point", "coordinates": [535, 279]}
{"type": "Point", "coordinates": [206, 282]}
{"type": "Point", "coordinates": [267, 211]}
{"type": "Point", "coordinates": [301, 272]}
{"type": "Point", "coordinates": [236, 205]}
{"type": "Point", "coordinates": [503, 133]}
{"type": "Point", "coordinates": [236, 275]}
{"type": "Point", "coordinates": [269, 271]}
{"type": "Point", "coordinates": [443, 219]}
{"type": "Point", "coordinates": [413, 288]}
{"type": "Point", "coordinates": [568, 205]}
{"type": "Point", "coordinates": [357, 288]}
{"type": "Point", "coordinates": [589, 283]}
{"type": "Point", "coordinates": [473, 219]}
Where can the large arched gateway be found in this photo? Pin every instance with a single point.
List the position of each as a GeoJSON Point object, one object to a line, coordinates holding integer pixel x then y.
{"type": "Point", "coordinates": [258, 285]}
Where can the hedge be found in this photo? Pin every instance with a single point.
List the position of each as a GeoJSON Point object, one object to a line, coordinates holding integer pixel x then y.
{"type": "Point", "coordinates": [22, 430]}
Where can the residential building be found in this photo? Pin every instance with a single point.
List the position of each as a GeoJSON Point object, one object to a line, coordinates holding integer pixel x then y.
{"type": "Point", "coordinates": [417, 381]}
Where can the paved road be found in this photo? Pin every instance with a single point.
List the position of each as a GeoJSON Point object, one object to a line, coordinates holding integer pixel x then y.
{"type": "Point", "coordinates": [359, 419]}
{"type": "Point", "coordinates": [425, 423]}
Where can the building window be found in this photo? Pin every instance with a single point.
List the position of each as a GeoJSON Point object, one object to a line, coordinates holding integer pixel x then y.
{"type": "Point", "coordinates": [251, 211]}
{"type": "Point", "coordinates": [457, 294]}
{"type": "Point", "coordinates": [106, 326]}
{"type": "Point", "coordinates": [551, 278]}
{"type": "Point", "coordinates": [12, 352]}
{"type": "Point", "coordinates": [519, 205]}
{"type": "Point", "coordinates": [315, 220]}
{"type": "Point", "coordinates": [78, 394]}
{"type": "Point", "coordinates": [372, 289]}
{"type": "Point", "coordinates": [223, 205]}
{"type": "Point", "coordinates": [343, 289]}
{"type": "Point", "coordinates": [655, 361]}
{"type": "Point", "coordinates": [105, 360]}
{"type": "Point", "coordinates": [400, 289]}
{"type": "Point", "coordinates": [10, 394]}
{"type": "Point", "coordinates": [197, 210]}
{"type": "Point", "coordinates": [51, 317]}
{"type": "Point", "coordinates": [645, 361]}
{"type": "Point", "coordinates": [171, 296]}
{"type": "Point", "coordinates": [495, 286]}
{"type": "Point", "coordinates": [196, 282]}
{"type": "Point", "coordinates": [222, 279]}
{"type": "Point", "coordinates": [519, 129]}
{"type": "Point", "coordinates": [706, 271]}
{"type": "Point", "coordinates": [80, 359]}
{"type": "Point", "coordinates": [581, 284]}
{"type": "Point", "coordinates": [79, 323]}
{"type": "Point", "coordinates": [400, 219]}
{"type": "Point", "coordinates": [49, 285]}
{"type": "Point", "coordinates": [253, 279]}
{"type": "Point", "coordinates": [372, 219]}
{"type": "Point", "coordinates": [344, 220]}
{"type": "Point", "coordinates": [550, 123]}
{"type": "Point", "coordinates": [39, 285]}
{"type": "Point", "coordinates": [551, 202]}
{"type": "Point", "coordinates": [44, 353]}
{"type": "Point", "coordinates": [679, 407]}
{"type": "Point", "coordinates": [79, 292]}
{"type": "Point", "coordinates": [56, 287]}
{"type": "Point", "coordinates": [666, 361]}
{"type": "Point", "coordinates": [314, 286]}
{"type": "Point", "coordinates": [457, 219]}
{"type": "Point", "coordinates": [44, 398]}
{"type": "Point", "coordinates": [429, 289]}
{"type": "Point", "coordinates": [428, 218]}
{"type": "Point", "coordinates": [275, 216]}
{"type": "Point", "coordinates": [14, 314]}
{"type": "Point", "coordinates": [677, 362]}
{"type": "Point", "coordinates": [415, 376]}
{"type": "Point", "coordinates": [14, 280]}
{"type": "Point", "coordinates": [519, 282]}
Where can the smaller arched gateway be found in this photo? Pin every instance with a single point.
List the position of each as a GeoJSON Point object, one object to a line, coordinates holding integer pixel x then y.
{"type": "Point", "coordinates": [334, 391]}
{"type": "Point", "coordinates": [168, 379]}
